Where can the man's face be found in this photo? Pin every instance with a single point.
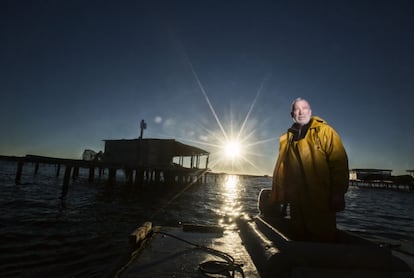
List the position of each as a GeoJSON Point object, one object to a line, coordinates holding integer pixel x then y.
{"type": "Point", "coordinates": [302, 112]}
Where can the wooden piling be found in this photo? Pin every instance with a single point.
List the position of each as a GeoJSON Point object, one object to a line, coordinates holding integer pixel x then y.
{"type": "Point", "coordinates": [129, 176]}
{"type": "Point", "coordinates": [157, 176]}
{"type": "Point", "coordinates": [75, 172]}
{"type": "Point", "coordinates": [36, 168]}
{"type": "Point", "coordinates": [139, 176]}
{"type": "Point", "coordinates": [58, 170]}
{"type": "Point", "coordinates": [112, 176]}
{"type": "Point", "coordinates": [66, 179]}
{"type": "Point", "coordinates": [91, 174]}
{"type": "Point", "coordinates": [19, 172]}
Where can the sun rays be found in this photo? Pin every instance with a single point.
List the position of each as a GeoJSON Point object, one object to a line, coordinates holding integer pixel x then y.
{"type": "Point", "coordinates": [232, 144]}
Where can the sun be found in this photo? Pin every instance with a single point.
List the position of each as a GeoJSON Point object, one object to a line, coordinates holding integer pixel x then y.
{"type": "Point", "coordinates": [232, 149]}
{"type": "Point", "coordinates": [234, 144]}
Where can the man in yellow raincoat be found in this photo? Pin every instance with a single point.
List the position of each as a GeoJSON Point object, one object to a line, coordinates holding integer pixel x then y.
{"type": "Point", "coordinates": [311, 175]}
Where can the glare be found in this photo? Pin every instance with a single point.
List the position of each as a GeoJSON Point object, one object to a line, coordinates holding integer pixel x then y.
{"type": "Point", "coordinates": [232, 150]}
{"type": "Point", "coordinates": [233, 144]}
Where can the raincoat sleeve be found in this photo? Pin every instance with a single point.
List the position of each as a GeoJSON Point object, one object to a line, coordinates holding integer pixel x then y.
{"type": "Point", "coordinates": [278, 184]}
{"type": "Point", "coordinates": [338, 167]}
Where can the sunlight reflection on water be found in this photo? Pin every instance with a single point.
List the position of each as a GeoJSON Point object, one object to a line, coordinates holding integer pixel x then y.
{"type": "Point", "coordinates": [231, 206]}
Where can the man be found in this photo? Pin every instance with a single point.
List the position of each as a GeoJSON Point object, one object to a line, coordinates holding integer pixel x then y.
{"type": "Point", "coordinates": [311, 175]}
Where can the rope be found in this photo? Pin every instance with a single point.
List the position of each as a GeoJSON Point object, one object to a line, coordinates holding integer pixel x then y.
{"type": "Point", "coordinates": [212, 268]}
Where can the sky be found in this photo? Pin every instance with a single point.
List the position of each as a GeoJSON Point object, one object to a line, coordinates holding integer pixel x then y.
{"type": "Point", "coordinates": [74, 73]}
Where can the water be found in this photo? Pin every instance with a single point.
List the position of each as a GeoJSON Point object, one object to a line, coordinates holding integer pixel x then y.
{"type": "Point", "coordinates": [86, 234]}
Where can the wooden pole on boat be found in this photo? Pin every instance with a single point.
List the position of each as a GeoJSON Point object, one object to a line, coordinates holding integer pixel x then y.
{"type": "Point", "coordinates": [141, 233]}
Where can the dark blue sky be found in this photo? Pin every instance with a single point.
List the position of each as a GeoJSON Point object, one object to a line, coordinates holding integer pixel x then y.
{"type": "Point", "coordinates": [76, 72]}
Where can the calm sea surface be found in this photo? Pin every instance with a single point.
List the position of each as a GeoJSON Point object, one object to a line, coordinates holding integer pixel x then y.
{"type": "Point", "coordinates": [86, 233]}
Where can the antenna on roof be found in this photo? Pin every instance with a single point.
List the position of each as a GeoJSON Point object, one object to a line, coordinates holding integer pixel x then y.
{"type": "Point", "coordinates": [143, 126]}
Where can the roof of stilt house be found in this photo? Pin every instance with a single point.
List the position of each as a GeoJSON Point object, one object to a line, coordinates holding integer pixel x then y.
{"type": "Point", "coordinates": [177, 148]}
{"type": "Point", "coordinates": [186, 150]}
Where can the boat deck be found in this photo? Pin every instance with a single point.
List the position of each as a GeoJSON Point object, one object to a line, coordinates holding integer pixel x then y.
{"type": "Point", "coordinates": [181, 252]}
{"type": "Point", "coordinates": [254, 248]}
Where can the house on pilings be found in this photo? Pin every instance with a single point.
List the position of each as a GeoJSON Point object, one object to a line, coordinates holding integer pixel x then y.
{"type": "Point", "coordinates": [157, 160]}
{"type": "Point", "coordinates": [381, 178]}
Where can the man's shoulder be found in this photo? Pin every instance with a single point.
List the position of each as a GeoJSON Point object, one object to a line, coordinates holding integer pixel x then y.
{"type": "Point", "coordinates": [284, 137]}
{"type": "Point", "coordinates": [321, 126]}
{"type": "Point", "coordinates": [318, 121]}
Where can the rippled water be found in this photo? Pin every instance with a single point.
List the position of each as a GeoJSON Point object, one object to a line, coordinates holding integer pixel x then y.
{"type": "Point", "coordinates": [86, 234]}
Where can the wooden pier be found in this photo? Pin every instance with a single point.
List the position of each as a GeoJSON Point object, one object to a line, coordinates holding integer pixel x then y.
{"type": "Point", "coordinates": [381, 179]}
{"type": "Point", "coordinates": [383, 184]}
{"type": "Point", "coordinates": [136, 175]}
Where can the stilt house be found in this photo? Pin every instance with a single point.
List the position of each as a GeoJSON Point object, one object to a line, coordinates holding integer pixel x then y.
{"type": "Point", "coordinates": [153, 153]}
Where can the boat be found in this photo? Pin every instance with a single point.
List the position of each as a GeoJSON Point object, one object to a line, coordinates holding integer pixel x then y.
{"type": "Point", "coordinates": [276, 255]}
{"type": "Point", "coordinates": [259, 247]}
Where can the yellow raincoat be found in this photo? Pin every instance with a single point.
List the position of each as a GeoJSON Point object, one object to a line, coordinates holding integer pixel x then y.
{"type": "Point", "coordinates": [311, 174]}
